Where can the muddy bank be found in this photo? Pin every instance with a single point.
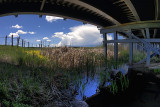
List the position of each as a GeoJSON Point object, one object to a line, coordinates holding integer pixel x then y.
{"type": "Point", "coordinates": [143, 91]}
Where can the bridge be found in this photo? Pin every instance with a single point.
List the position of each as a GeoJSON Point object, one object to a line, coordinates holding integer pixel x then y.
{"type": "Point", "coordinates": [137, 20]}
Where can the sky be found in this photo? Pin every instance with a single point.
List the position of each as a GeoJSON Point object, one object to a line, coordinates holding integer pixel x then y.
{"type": "Point", "coordinates": [51, 29]}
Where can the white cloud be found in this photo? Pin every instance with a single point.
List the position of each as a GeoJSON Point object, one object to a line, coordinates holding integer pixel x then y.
{"type": "Point", "coordinates": [21, 32]}
{"type": "Point", "coordinates": [53, 18]}
{"type": "Point", "coordinates": [109, 37]}
{"type": "Point", "coordinates": [38, 40]}
{"type": "Point", "coordinates": [31, 33]}
{"type": "Point", "coordinates": [17, 26]}
{"type": "Point", "coordinates": [14, 35]}
{"type": "Point", "coordinates": [83, 35]}
{"type": "Point", "coordinates": [53, 45]}
{"type": "Point", "coordinates": [39, 26]}
{"type": "Point", "coordinates": [17, 33]}
{"type": "Point", "coordinates": [48, 40]}
{"type": "Point", "coordinates": [45, 38]}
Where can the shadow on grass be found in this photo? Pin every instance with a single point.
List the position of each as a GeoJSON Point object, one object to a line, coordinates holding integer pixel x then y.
{"type": "Point", "coordinates": [22, 86]}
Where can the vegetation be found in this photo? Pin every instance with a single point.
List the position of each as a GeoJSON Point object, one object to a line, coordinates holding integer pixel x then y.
{"type": "Point", "coordinates": [30, 76]}
{"type": "Point", "coordinates": [33, 77]}
{"type": "Point", "coordinates": [157, 71]}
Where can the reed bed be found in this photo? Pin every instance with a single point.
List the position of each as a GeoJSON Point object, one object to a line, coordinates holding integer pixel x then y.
{"type": "Point", "coordinates": [32, 75]}
{"type": "Point", "coordinates": [74, 58]}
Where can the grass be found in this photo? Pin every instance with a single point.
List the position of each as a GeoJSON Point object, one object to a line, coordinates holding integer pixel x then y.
{"type": "Point", "coordinates": [29, 75]}
{"type": "Point", "coordinates": [19, 86]}
{"type": "Point", "coordinates": [157, 71]}
{"type": "Point", "coordinates": [113, 87]}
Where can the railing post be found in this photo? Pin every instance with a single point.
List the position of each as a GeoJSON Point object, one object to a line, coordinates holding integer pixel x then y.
{"type": "Point", "coordinates": [105, 44]}
{"type": "Point", "coordinates": [115, 47]}
{"type": "Point", "coordinates": [130, 49]}
{"type": "Point", "coordinates": [148, 50]}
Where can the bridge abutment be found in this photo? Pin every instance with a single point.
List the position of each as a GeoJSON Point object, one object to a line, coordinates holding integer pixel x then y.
{"type": "Point", "coordinates": [133, 33]}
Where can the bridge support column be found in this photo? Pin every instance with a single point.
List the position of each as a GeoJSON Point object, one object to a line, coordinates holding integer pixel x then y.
{"type": "Point", "coordinates": [115, 47]}
{"type": "Point", "coordinates": [136, 46]}
{"type": "Point", "coordinates": [130, 50]}
{"type": "Point", "coordinates": [148, 50]}
{"type": "Point", "coordinates": [105, 44]}
{"type": "Point", "coordinates": [136, 38]}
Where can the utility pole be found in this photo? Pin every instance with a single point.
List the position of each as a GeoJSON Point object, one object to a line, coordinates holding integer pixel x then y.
{"type": "Point", "coordinates": [22, 42]}
{"type": "Point", "coordinates": [28, 44]}
{"type": "Point", "coordinates": [18, 41]}
{"type": "Point", "coordinates": [6, 40]}
{"type": "Point", "coordinates": [41, 44]}
{"type": "Point", "coordinates": [12, 40]}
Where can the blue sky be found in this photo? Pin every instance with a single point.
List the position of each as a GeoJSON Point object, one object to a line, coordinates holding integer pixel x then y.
{"type": "Point", "coordinates": [52, 29]}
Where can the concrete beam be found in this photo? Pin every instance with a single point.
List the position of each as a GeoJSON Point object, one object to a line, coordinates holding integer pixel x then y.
{"type": "Point", "coordinates": [132, 9]}
{"type": "Point", "coordinates": [94, 9]}
{"type": "Point", "coordinates": [132, 41]}
{"type": "Point", "coordinates": [42, 5]}
{"type": "Point", "coordinates": [134, 12]}
{"type": "Point", "coordinates": [133, 25]}
{"type": "Point", "coordinates": [155, 32]}
{"type": "Point", "coordinates": [157, 9]}
{"type": "Point", "coordinates": [157, 14]}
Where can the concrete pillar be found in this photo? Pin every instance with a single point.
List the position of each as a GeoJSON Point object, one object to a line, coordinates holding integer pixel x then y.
{"type": "Point", "coordinates": [105, 44]}
{"type": "Point", "coordinates": [115, 47]}
{"type": "Point", "coordinates": [157, 45]}
{"type": "Point", "coordinates": [142, 50]}
{"type": "Point", "coordinates": [130, 50]}
{"type": "Point", "coordinates": [136, 46]}
{"type": "Point", "coordinates": [148, 50]}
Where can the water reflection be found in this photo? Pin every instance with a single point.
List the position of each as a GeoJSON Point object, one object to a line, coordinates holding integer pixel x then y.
{"type": "Point", "coordinates": [90, 85]}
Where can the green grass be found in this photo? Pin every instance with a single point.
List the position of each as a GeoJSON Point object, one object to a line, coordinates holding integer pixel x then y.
{"type": "Point", "coordinates": [157, 71]}
{"type": "Point", "coordinates": [137, 56]}
{"type": "Point", "coordinates": [19, 86]}
{"type": "Point", "coordinates": [27, 74]}
{"type": "Point", "coordinates": [13, 54]}
{"type": "Point", "coordinates": [113, 87]}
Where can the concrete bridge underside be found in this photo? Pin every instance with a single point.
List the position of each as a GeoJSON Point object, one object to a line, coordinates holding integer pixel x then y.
{"type": "Point", "coordinates": [137, 20]}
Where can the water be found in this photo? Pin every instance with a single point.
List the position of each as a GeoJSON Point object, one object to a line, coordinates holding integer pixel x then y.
{"type": "Point", "coordinates": [123, 68]}
{"type": "Point", "coordinates": [89, 85]}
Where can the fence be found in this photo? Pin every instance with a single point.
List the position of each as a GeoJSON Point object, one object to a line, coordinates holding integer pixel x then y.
{"type": "Point", "coordinates": [19, 42]}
